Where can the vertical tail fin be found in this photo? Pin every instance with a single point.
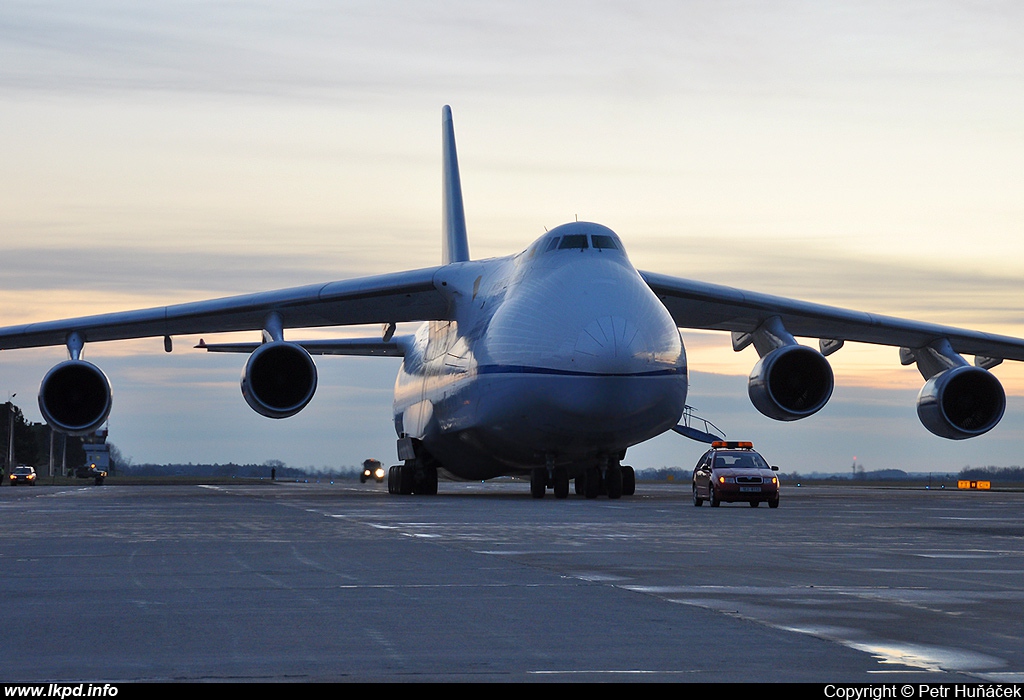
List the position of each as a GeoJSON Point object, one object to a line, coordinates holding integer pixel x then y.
{"type": "Point", "coordinates": [456, 242]}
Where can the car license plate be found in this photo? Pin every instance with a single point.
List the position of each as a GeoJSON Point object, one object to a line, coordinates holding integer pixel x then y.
{"type": "Point", "coordinates": [750, 489]}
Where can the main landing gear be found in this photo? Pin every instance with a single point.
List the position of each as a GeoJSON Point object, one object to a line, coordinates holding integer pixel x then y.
{"type": "Point", "coordinates": [416, 476]}
{"type": "Point", "coordinates": [556, 478]}
{"type": "Point", "coordinates": [615, 481]}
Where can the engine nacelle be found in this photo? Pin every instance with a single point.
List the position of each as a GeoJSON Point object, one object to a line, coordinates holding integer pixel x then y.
{"type": "Point", "coordinates": [962, 402]}
{"type": "Point", "coordinates": [75, 397]}
{"type": "Point", "coordinates": [790, 383]}
{"type": "Point", "coordinates": [279, 379]}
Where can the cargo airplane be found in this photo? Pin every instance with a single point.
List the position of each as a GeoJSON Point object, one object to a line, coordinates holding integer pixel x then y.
{"type": "Point", "coordinates": [549, 363]}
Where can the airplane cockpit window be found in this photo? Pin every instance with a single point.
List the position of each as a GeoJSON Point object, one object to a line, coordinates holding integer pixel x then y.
{"type": "Point", "coordinates": [602, 242]}
{"type": "Point", "coordinates": [552, 244]}
{"type": "Point", "coordinates": [573, 241]}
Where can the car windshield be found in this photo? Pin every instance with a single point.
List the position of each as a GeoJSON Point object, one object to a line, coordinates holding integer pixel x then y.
{"type": "Point", "coordinates": [740, 460]}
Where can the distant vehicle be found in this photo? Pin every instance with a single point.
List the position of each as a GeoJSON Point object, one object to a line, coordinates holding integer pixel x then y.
{"type": "Point", "coordinates": [372, 469]}
{"type": "Point", "coordinates": [733, 472]}
{"type": "Point", "coordinates": [23, 475]}
{"type": "Point", "coordinates": [90, 471]}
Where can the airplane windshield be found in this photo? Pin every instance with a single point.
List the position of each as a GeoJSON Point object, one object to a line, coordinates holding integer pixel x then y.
{"type": "Point", "coordinates": [573, 241]}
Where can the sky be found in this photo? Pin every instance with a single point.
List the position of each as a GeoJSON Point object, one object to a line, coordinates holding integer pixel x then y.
{"type": "Point", "coordinates": [865, 155]}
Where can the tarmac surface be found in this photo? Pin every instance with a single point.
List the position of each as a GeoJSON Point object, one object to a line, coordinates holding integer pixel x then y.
{"type": "Point", "coordinates": [341, 582]}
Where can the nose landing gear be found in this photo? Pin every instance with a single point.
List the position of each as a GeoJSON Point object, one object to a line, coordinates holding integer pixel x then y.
{"type": "Point", "coordinates": [614, 481]}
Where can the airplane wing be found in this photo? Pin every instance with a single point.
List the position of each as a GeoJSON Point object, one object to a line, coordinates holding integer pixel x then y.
{"type": "Point", "coordinates": [365, 347]}
{"type": "Point", "coordinates": [716, 307]}
{"type": "Point", "coordinates": [390, 298]}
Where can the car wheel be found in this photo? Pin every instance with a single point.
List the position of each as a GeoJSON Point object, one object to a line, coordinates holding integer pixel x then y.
{"type": "Point", "coordinates": [774, 503]}
{"type": "Point", "coordinates": [715, 500]}
{"type": "Point", "coordinates": [697, 500]}
{"type": "Point", "coordinates": [755, 504]}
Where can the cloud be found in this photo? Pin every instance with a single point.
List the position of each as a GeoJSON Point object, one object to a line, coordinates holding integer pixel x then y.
{"type": "Point", "coordinates": [739, 50]}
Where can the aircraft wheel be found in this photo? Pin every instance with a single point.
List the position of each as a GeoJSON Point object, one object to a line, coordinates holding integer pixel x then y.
{"type": "Point", "coordinates": [538, 482]}
{"type": "Point", "coordinates": [406, 479]}
{"type": "Point", "coordinates": [395, 479]}
{"type": "Point", "coordinates": [425, 481]}
{"type": "Point", "coordinates": [613, 482]}
{"type": "Point", "coordinates": [561, 485]}
{"type": "Point", "coordinates": [628, 481]}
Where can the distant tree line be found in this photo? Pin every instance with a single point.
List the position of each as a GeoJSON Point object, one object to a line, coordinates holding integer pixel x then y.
{"type": "Point", "coordinates": [1000, 474]}
{"type": "Point", "coordinates": [246, 471]}
{"type": "Point", "coordinates": [32, 442]}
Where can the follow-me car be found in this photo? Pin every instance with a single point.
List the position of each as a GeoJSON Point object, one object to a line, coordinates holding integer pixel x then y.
{"type": "Point", "coordinates": [549, 363]}
{"type": "Point", "coordinates": [732, 472]}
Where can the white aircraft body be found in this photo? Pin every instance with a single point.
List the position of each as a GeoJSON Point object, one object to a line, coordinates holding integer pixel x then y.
{"type": "Point", "coordinates": [551, 362]}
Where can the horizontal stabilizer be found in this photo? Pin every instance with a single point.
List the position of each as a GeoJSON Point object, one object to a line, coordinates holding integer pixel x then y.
{"type": "Point", "coordinates": [367, 347]}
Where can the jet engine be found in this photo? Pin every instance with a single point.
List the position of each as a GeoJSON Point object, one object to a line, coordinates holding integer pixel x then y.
{"type": "Point", "coordinates": [790, 383]}
{"type": "Point", "coordinates": [279, 379]}
{"type": "Point", "coordinates": [75, 397]}
{"type": "Point", "coordinates": [962, 402]}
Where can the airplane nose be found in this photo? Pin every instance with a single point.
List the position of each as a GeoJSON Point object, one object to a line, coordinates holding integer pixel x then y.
{"type": "Point", "coordinates": [610, 345]}
{"type": "Point", "coordinates": [592, 316]}
{"type": "Point", "coordinates": [582, 357]}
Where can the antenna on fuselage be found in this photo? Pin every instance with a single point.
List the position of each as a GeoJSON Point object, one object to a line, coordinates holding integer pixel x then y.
{"type": "Point", "coordinates": [455, 241]}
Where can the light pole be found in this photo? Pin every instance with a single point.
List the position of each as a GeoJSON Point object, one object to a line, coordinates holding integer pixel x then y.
{"type": "Point", "coordinates": [10, 432]}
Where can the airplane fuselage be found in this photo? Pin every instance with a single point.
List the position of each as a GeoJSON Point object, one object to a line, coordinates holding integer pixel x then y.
{"type": "Point", "coordinates": [558, 356]}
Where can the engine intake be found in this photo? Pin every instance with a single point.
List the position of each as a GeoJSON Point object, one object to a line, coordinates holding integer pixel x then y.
{"type": "Point", "coordinates": [790, 383]}
{"type": "Point", "coordinates": [75, 397]}
{"type": "Point", "coordinates": [279, 379]}
{"type": "Point", "coordinates": [960, 403]}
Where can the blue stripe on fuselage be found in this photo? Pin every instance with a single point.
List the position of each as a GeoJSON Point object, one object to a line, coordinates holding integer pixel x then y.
{"type": "Point", "coordinates": [523, 369]}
